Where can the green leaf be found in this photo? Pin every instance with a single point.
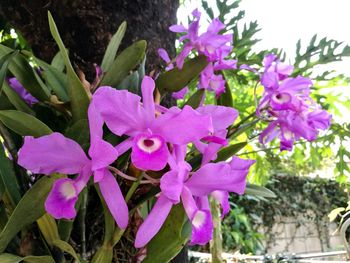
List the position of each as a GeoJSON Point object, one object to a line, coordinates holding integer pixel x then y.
{"type": "Point", "coordinates": [23, 123]}
{"type": "Point", "coordinates": [9, 258]}
{"type": "Point", "coordinates": [78, 96]}
{"type": "Point", "coordinates": [195, 100]}
{"type": "Point", "coordinates": [64, 246]}
{"type": "Point", "coordinates": [29, 209]}
{"type": "Point", "coordinates": [38, 259]}
{"type": "Point", "coordinates": [4, 62]}
{"type": "Point", "coordinates": [8, 177]}
{"type": "Point", "coordinates": [15, 99]}
{"type": "Point", "coordinates": [55, 79]}
{"type": "Point", "coordinates": [257, 190]}
{"type": "Point", "coordinates": [104, 254]}
{"type": "Point", "coordinates": [79, 132]}
{"type": "Point", "coordinates": [112, 48]}
{"type": "Point", "coordinates": [48, 228]}
{"type": "Point", "coordinates": [127, 60]}
{"type": "Point", "coordinates": [169, 240]}
{"type": "Point", "coordinates": [57, 62]}
{"type": "Point", "coordinates": [22, 70]}
{"type": "Point", "coordinates": [229, 151]}
{"type": "Point", "coordinates": [176, 79]}
{"type": "Point", "coordinates": [225, 98]}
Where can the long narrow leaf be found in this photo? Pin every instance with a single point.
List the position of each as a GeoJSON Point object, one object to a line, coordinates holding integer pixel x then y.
{"type": "Point", "coordinates": [29, 209]}
{"type": "Point", "coordinates": [78, 96]}
{"type": "Point", "coordinates": [112, 48]}
{"type": "Point", "coordinates": [23, 123]}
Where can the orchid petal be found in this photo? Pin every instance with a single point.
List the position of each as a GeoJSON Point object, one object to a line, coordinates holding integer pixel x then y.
{"type": "Point", "coordinates": [171, 185]}
{"type": "Point", "coordinates": [114, 199]}
{"type": "Point", "coordinates": [147, 88]}
{"type": "Point", "coordinates": [121, 110]}
{"type": "Point", "coordinates": [221, 116]}
{"type": "Point", "coordinates": [153, 222]}
{"type": "Point", "coordinates": [182, 126]}
{"type": "Point", "coordinates": [52, 153]}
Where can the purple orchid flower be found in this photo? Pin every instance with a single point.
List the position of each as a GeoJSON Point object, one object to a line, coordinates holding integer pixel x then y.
{"type": "Point", "coordinates": [63, 155]}
{"type": "Point", "coordinates": [178, 184]}
{"type": "Point", "coordinates": [21, 91]}
{"type": "Point", "coordinates": [222, 117]}
{"type": "Point", "coordinates": [211, 43]}
{"type": "Point", "coordinates": [290, 126]}
{"type": "Point", "coordinates": [148, 136]}
{"type": "Point", "coordinates": [274, 71]}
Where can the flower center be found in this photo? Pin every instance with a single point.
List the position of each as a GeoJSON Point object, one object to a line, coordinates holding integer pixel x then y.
{"type": "Point", "coordinates": [67, 189]}
{"type": "Point", "coordinates": [198, 219]}
{"type": "Point", "coordinates": [149, 144]}
{"type": "Point", "coordinates": [282, 98]}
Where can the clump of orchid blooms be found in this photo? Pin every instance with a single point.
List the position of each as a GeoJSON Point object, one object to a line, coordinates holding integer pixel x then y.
{"type": "Point", "coordinates": [286, 103]}
{"type": "Point", "coordinates": [159, 139]}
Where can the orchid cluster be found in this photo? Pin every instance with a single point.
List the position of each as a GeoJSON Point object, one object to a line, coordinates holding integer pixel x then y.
{"type": "Point", "coordinates": [291, 112]}
{"type": "Point", "coordinates": [158, 139]}
{"type": "Point", "coordinates": [211, 44]}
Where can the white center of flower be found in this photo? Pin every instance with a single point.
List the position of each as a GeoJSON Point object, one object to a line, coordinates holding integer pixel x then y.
{"type": "Point", "coordinates": [198, 219]}
{"type": "Point", "coordinates": [67, 189]}
{"type": "Point", "coordinates": [281, 98]}
{"type": "Point", "coordinates": [149, 144]}
{"type": "Point", "coordinates": [288, 135]}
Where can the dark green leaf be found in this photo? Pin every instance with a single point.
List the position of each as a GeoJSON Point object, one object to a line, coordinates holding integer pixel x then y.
{"type": "Point", "coordinates": [24, 213]}
{"type": "Point", "coordinates": [79, 132]}
{"type": "Point", "coordinates": [15, 99]}
{"type": "Point", "coordinates": [225, 98]}
{"type": "Point", "coordinates": [38, 259]}
{"type": "Point", "coordinates": [8, 177]}
{"type": "Point", "coordinates": [64, 246]}
{"type": "Point", "coordinates": [176, 79]}
{"type": "Point", "coordinates": [21, 69]}
{"type": "Point", "coordinates": [174, 233]}
{"type": "Point", "coordinates": [195, 100]}
{"type": "Point", "coordinates": [258, 190]}
{"type": "Point", "coordinates": [229, 151]}
{"type": "Point", "coordinates": [112, 48]}
{"type": "Point", "coordinates": [78, 96]}
{"type": "Point", "coordinates": [4, 63]}
{"type": "Point", "coordinates": [23, 123]}
{"type": "Point", "coordinates": [55, 79]}
{"type": "Point", "coordinates": [127, 60]}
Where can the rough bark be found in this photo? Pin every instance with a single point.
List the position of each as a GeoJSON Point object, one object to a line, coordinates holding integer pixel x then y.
{"type": "Point", "coordinates": [86, 26]}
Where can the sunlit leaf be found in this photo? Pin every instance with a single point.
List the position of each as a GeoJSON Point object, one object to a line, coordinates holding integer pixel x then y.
{"type": "Point", "coordinates": [176, 79]}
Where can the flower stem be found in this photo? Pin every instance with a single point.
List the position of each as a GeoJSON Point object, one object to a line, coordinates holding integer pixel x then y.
{"type": "Point", "coordinates": [118, 233]}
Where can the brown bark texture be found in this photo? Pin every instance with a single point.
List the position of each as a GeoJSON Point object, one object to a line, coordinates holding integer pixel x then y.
{"type": "Point", "coordinates": [86, 26]}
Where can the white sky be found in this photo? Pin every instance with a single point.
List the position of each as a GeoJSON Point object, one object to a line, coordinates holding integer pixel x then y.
{"type": "Point", "coordinates": [283, 22]}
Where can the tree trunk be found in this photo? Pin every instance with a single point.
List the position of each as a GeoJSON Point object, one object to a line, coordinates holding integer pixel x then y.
{"type": "Point", "coordinates": [86, 26]}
